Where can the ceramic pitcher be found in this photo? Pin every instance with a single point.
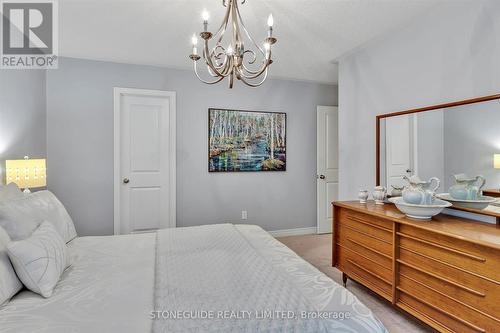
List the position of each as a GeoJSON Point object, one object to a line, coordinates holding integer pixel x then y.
{"type": "Point", "coordinates": [379, 194]}
{"type": "Point", "coordinates": [419, 192]}
{"type": "Point", "coordinates": [467, 188]}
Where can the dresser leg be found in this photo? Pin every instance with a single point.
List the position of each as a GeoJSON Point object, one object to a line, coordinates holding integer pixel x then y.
{"type": "Point", "coordinates": [344, 279]}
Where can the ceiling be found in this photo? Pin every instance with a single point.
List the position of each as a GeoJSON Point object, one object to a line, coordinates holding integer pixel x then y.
{"type": "Point", "coordinates": [312, 34]}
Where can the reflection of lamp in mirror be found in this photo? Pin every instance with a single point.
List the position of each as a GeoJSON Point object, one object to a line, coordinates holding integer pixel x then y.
{"type": "Point", "coordinates": [496, 161]}
{"type": "Point", "coordinates": [26, 173]}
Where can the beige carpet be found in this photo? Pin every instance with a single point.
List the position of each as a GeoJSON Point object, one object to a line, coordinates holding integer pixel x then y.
{"type": "Point", "coordinates": [317, 250]}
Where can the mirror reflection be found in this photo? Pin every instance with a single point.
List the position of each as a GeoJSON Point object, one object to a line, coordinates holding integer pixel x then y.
{"type": "Point", "coordinates": [442, 143]}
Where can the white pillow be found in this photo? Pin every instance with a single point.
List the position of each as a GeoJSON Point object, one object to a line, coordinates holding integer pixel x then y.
{"type": "Point", "coordinates": [10, 191]}
{"type": "Point", "coordinates": [40, 260]}
{"type": "Point", "coordinates": [21, 216]}
{"type": "Point", "coordinates": [9, 282]}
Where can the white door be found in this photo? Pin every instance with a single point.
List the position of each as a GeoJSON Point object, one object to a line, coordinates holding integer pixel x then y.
{"type": "Point", "coordinates": [399, 149]}
{"type": "Point", "coordinates": [327, 165]}
{"type": "Point", "coordinates": [144, 160]}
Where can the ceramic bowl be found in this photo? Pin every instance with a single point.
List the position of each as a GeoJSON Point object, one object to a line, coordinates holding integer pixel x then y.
{"type": "Point", "coordinates": [480, 203]}
{"type": "Point", "coordinates": [420, 212]}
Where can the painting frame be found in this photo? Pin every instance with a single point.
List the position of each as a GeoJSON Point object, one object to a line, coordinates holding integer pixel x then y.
{"type": "Point", "coordinates": [213, 109]}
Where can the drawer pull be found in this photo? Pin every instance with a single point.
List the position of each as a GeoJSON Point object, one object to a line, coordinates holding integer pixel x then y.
{"type": "Point", "coordinates": [450, 265]}
{"type": "Point", "coordinates": [466, 323]}
{"type": "Point", "coordinates": [465, 254]}
{"type": "Point", "coordinates": [368, 248]}
{"type": "Point", "coordinates": [355, 219]}
{"type": "Point", "coordinates": [442, 278]}
{"type": "Point", "coordinates": [369, 272]}
{"type": "Point", "coordinates": [366, 234]}
{"type": "Point", "coordinates": [452, 298]}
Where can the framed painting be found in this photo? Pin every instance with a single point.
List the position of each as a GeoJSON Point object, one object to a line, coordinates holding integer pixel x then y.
{"type": "Point", "coordinates": [246, 141]}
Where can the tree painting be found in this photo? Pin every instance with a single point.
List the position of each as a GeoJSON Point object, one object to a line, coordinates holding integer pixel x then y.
{"type": "Point", "coordinates": [246, 141]}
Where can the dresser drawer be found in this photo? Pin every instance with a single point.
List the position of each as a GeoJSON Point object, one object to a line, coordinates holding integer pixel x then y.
{"type": "Point", "coordinates": [451, 251]}
{"type": "Point", "coordinates": [365, 272]}
{"type": "Point", "coordinates": [476, 296]}
{"type": "Point", "coordinates": [450, 307]}
{"type": "Point", "coordinates": [436, 318]}
{"type": "Point", "coordinates": [367, 228]}
{"type": "Point", "coordinates": [351, 237]}
{"type": "Point", "coordinates": [371, 220]}
{"type": "Point", "coordinates": [466, 285]}
{"type": "Point", "coordinates": [370, 254]}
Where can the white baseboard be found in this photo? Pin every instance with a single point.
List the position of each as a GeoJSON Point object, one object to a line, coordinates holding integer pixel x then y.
{"type": "Point", "coordinates": [293, 232]}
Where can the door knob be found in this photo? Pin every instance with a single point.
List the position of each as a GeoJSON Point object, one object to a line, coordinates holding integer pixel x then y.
{"type": "Point", "coordinates": [126, 180]}
{"type": "Point", "coordinates": [408, 170]}
{"type": "Point", "coordinates": [322, 177]}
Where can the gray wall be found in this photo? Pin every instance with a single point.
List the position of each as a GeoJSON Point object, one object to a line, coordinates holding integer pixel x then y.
{"type": "Point", "coordinates": [22, 115]}
{"type": "Point", "coordinates": [449, 54]}
{"type": "Point", "coordinates": [80, 146]}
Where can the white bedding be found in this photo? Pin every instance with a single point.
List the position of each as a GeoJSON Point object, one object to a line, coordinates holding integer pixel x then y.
{"type": "Point", "coordinates": [234, 274]}
{"type": "Point", "coordinates": [110, 287]}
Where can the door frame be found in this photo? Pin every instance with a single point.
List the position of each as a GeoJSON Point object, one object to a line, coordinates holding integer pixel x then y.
{"type": "Point", "coordinates": [171, 95]}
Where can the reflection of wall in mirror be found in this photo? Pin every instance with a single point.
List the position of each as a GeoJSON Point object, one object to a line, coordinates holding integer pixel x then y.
{"type": "Point", "coordinates": [430, 146]}
{"type": "Point", "coordinates": [472, 137]}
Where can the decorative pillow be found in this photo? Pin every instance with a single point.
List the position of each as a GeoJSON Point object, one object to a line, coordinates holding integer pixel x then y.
{"type": "Point", "coordinates": [9, 282]}
{"type": "Point", "coordinates": [20, 217]}
{"type": "Point", "coordinates": [40, 260]}
{"type": "Point", "coordinates": [10, 191]}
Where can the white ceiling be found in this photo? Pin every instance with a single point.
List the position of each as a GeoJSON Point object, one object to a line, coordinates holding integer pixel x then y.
{"type": "Point", "coordinates": [312, 34]}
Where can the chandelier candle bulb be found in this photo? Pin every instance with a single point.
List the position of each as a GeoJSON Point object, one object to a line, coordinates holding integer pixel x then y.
{"type": "Point", "coordinates": [270, 23]}
{"type": "Point", "coordinates": [194, 41]}
{"type": "Point", "coordinates": [205, 15]}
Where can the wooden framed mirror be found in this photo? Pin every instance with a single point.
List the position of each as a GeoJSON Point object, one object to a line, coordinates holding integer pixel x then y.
{"type": "Point", "coordinates": [441, 141]}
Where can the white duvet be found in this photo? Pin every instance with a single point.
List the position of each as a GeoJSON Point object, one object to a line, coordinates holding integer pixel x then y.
{"type": "Point", "coordinates": [110, 287]}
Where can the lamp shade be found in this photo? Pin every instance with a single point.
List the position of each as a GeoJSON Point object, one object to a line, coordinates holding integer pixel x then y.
{"type": "Point", "coordinates": [496, 161]}
{"type": "Point", "coordinates": [26, 173]}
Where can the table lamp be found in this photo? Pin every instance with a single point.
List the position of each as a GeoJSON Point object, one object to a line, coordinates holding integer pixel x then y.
{"type": "Point", "coordinates": [26, 173]}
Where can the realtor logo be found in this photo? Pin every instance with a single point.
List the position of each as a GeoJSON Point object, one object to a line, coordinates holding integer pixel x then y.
{"type": "Point", "coordinates": [29, 34]}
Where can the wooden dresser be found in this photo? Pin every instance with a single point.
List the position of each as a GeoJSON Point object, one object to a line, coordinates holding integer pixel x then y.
{"type": "Point", "coordinates": [445, 272]}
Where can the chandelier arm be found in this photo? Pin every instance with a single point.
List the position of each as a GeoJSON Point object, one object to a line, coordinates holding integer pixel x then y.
{"type": "Point", "coordinates": [238, 41]}
{"type": "Point", "coordinates": [223, 26]}
{"type": "Point", "coordinates": [254, 76]}
{"type": "Point", "coordinates": [219, 65]}
{"type": "Point", "coordinates": [263, 68]}
{"type": "Point", "coordinates": [248, 34]}
{"type": "Point", "coordinates": [254, 85]}
{"type": "Point", "coordinates": [208, 60]}
{"type": "Point", "coordinates": [220, 71]}
{"type": "Point", "coordinates": [220, 78]}
{"type": "Point", "coordinates": [254, 72]}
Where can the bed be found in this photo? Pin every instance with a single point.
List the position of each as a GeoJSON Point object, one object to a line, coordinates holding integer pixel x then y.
{"type": "Point", "coordinates": [224, 278]}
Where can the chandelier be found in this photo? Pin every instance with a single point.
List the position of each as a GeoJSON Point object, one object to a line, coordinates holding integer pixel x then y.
{"type": "Point", "coordinates": [229, 57]}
